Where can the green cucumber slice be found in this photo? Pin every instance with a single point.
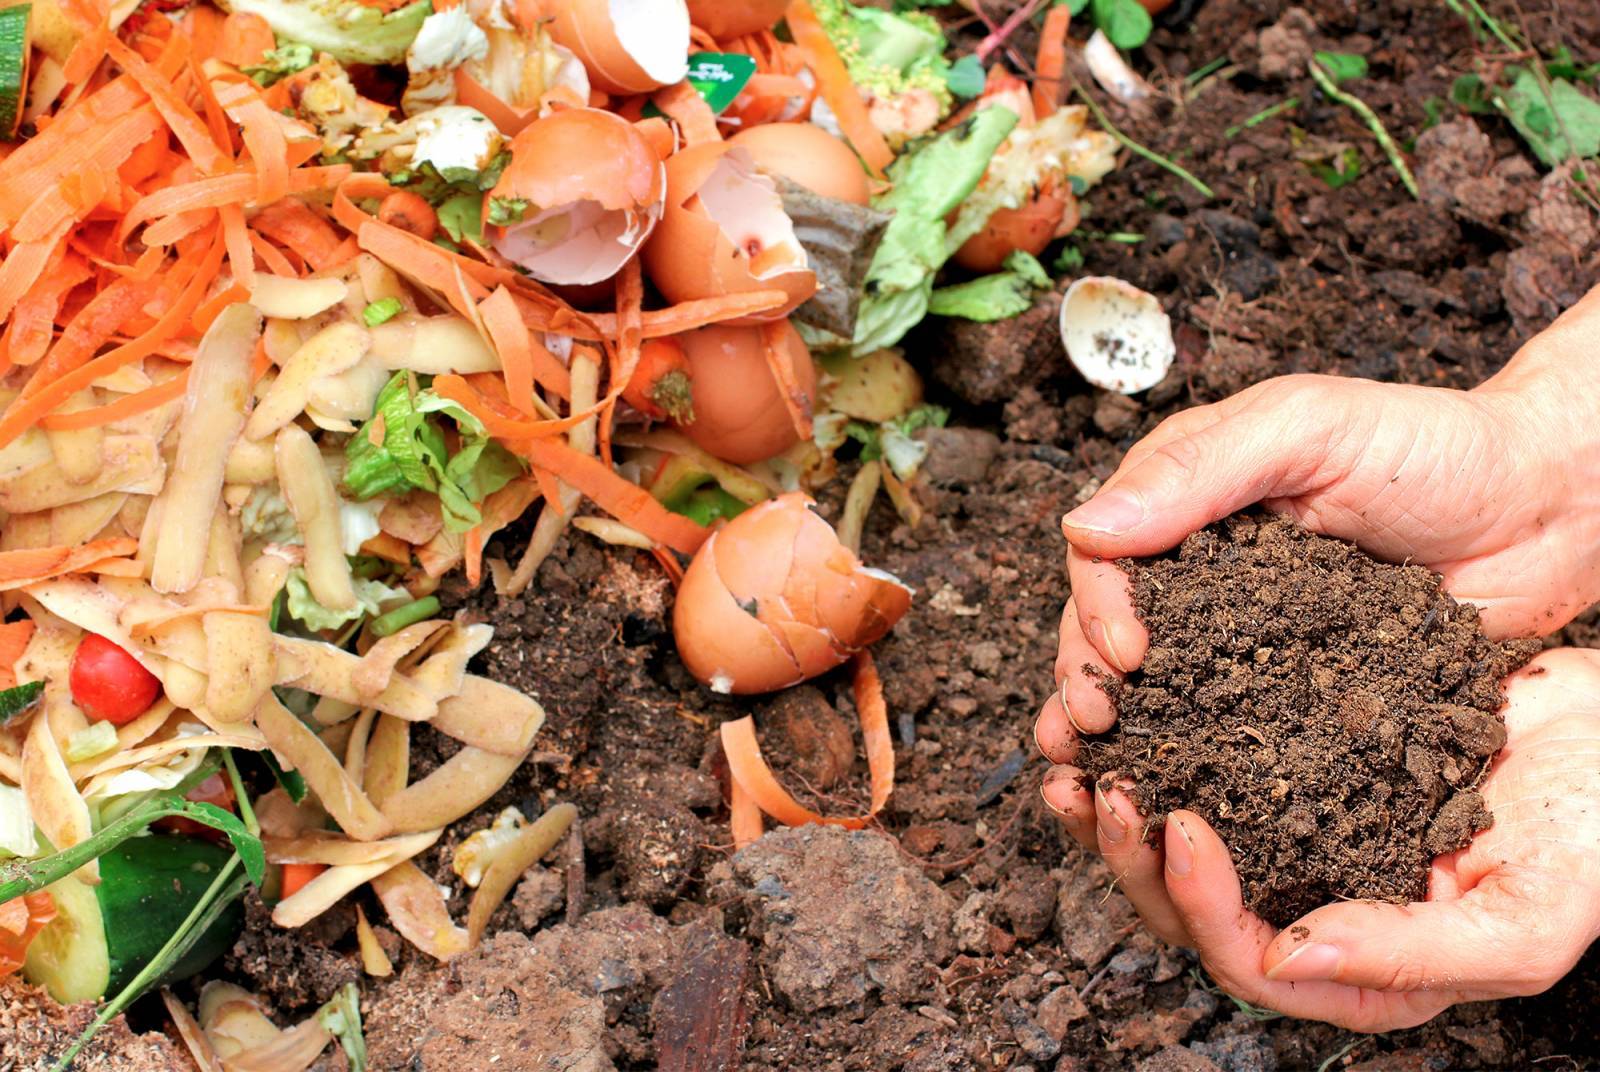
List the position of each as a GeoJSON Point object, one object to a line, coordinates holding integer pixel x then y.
{"type": "Point", "coordinates": [13, 67]}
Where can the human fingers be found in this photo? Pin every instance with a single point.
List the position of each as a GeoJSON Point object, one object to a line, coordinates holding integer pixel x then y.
{"type": "Point", "coordinates": [1275, 442]}
{"type": "Point", "coordinates": [1514, 934]}
{"type": "Point", "coordinates": [1232, 941]}
{"type": "Point", "coordinates": [1103, 593]}
{"type": "Point", "coordinates": [1065, 794]}
{"type": "Point", "coordinates": [1086, 704]}
{"type": "Point", "coordinates": [1053, 732]}
{"type": "Point", "coordinates": [1136, 864]}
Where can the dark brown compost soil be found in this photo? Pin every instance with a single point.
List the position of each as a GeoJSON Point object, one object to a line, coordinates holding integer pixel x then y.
{"type": "Point", "coordinates": [1330, 715]}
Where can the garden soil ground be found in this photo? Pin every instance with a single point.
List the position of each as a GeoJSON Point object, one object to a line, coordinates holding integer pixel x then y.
{"type": "Point", "coordinates": [963, 931]}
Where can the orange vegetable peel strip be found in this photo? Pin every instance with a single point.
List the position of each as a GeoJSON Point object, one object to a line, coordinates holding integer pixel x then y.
{"type": "Point", "coordinates": [523, 359]}
{"type": "Point", "coordinates": [18, 569]}
{"type": "Point", "coordinates": [14, 637]}
{"type": "Point", "coordinates": [835, 86]}
{"type": "Point", "coordinates": [21, 920]}
{"type": "Point", "coordinates": [774, 341]}
{"type": "Point", "coordinates": [751, 774]}
{"type": "Point", "coordinates": [1051, 62]}
{"type": "Point", "coordinates": [744, 815]}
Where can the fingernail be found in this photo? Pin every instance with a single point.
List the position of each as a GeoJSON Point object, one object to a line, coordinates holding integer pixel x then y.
{"type": "Point", "coordinates": [1180, 851]}
{"type": "Point", "coordinates": [1052, 777]}
{"type": "Point", "coordinates": [1308, 964]}
{"type": "Point", "coordinates": [1113, 512]}
{"type": "Point", "coordinates": [1067, 707]}
{"type": "Point", "coordinates": [1113, 656]}
{"type": "Point", "coordinates": [1112, 828]}
{"type": "Point", "coordinates": [1046, 797]}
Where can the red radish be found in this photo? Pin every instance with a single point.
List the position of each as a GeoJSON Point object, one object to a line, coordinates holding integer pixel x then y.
{"type": "Point", "coordinates": [660, 385]}
{"type": "Point", "coordinates": [108, 683]}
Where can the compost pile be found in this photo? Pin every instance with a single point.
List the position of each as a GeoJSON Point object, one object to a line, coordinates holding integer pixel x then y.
{"type": "Point", "coordinates": [1329, 714]}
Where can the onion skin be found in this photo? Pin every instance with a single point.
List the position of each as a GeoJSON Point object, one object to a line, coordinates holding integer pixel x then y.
{"type": "Point", "coordinates": [723, 19]}
{"type": "Point", "coordinates": [739, 411]}
{"type": "Point", "coordinates": [1029, 228]}
{"type": "Point", "coordinates": [806, 154]}
{"type": "Point", "coordinates": [773, 598]}
{"type": "Point", "coordinates": [689, 258]}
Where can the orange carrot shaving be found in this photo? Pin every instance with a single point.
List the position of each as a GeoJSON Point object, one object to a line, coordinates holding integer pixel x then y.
{"type": "Point", "coordinates": [499, 510]}
{"type": "Point", "coordinates": [669, 565]}
{"type": "Point", "coordinates": [750, 772]}
{"type": "Point", "coordinates": [186, 126]}
{"type": "Point", "coordinates": [208, 312]}
{"type": "Point", "coordinates": [774, 340]}
{"type": "Point", "coordinates": [241, 254]}
{"type": "Point", "coordinates": [629, 349]}
{"type": "Point", "coordinates": [245, 39]}
{"type": "Point", "coordinates": [625, 501]}
{"type": "Point", "coordinates": [682, 103]}
{"type": "Point", "coordinates": [123, 408]}
{"type": "Point", "coordinates": [744, 815]}
{"type": "Point", "coordinates": [21, 920]}
{"type": "Point", "coordinates": [262, 130]}
{"type": "Point", "coordinates": [31, 327]}
{"type": "Point", "coordinates": [295, 877]}
{"type": "Point", "coordinates": [294, 225]}
{"type": "Point", "coordinates": [100, 154]}
{"type": "Point", "coordinates": [18, 569]}
{"type": "Point", "coordinates": [836, 87]}
{"type": "Point", "coordinates": [270, 255]}
{"type": "Point", "coordinates": [22, 267]}
{"type": "Point", "coordinates": [1051, 62]}
{"type": "Point", "coordinates": [686, 316]}
{"type": "Point", "coordinates": [92, 327]}
{"type": "Point", "coordinates": [549, 487]}
{"type": "Point", "coordinates": [524, 359]}
{"type": "Point", "coordinates": [14, 637]}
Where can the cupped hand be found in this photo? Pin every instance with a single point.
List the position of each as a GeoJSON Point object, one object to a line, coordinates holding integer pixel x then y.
{"type": "Point", "coordinates": [1508, 915]}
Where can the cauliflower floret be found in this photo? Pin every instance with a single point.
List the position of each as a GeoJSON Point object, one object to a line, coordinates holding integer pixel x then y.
{"type": "Point", "coordinates": [451, 139]}
{"type": "Point", "coordinates": [325, 98]}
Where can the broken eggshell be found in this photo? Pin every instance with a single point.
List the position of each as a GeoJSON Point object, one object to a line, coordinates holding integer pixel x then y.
{"type": "Point", "coordinates": [1116, 335]}
{"type": "Point", "coordinates": [628, 46]}
{"type": "Point", "coordinates": [773, 598]}
{"type": "Point", "coordinates": [724, 231]}
{"type": "Point", "coordinates": [594, 190]}
{"type": "Point", "coordinates": [739, 413]}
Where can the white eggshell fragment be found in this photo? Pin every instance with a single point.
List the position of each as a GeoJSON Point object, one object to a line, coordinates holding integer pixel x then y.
{"type": "Point", "coordinates": [1116, 335]}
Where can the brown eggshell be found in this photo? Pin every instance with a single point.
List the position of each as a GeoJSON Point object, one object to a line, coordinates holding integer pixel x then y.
{"type": "Point", "coordinates": [739, 410]}
{"type": "Point", "coordinates": [690, 256]}
{"type": "Point", "coordinates": [644, 48]}
{"type": "Point", "coordinates": [719, 641]}
{"type": "Point", "coordinates": [1029, 228]}
{"type": "Point", "coordinates": [806, 154]}
{"type": "Point", "coordinates": [723, 19]}
{"type": "Point", "coordinates": [795, 583]}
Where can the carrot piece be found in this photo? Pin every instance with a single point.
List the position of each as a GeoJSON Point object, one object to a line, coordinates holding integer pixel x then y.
{"type": "Point", "coordinates": [206, 313]}
{"type": "Point", "coordinates": [774, 341]}
{"type": "Point", "coordinates": [744, 815]}
{"type": "Point", "coordinates": [295, 877]}
{"type": "Point", "coordinates": [293, 224]}
{"type": "Point", "coordinates": [1051, 61]}
{"type": "Point", "coordinates": [523, 359]}
{"type": "Point", "coordinates": [31, 328]}
{"type": "Point", "coordinates": [409, 212]}
{"type": "Point", "coordinates": [203, 25]}
{"type": "Point", "coordinates": [669, 565]}
{"type": "Point", "coordinates": [123, 408]}
{"type": "Point", "coordinates": [186, 126]}
{"type": "Point", "coordinates": [14, 637]}
{"type": "Point", "coordinates": [263, 135]}
{"type": "Point", "coordinates": [499, 510]}
{"type": "Point", "coordinates": [270, 254]}
{"type": "Point", "coordinates": [21, 268]}
{"type": "Point", "coordinates": [19, 569]}
{"type": "Point", "coordinates": [685, 316]}
{"type": "Point", "coordinates": [549, 487]}
{"type": "Point", "coordinates": [836, 87]}
{"type": "Point", "coordinates": [682, 103]}
{"type": "Point", "coordinates": [625, 501]}
{"type": "Point", "coordinates": [245, 38]}
{"type": "Point", "coordinates": [92, 326]}
{"type": "Point", "coordinates": [241, 254]}
{"type": "Point", "coordinates": [100, 155]}
{"type": "Point", "coordinates": [21, 920]}
{"type": "Point", "coordinates": [751, 773]}
{"type": "Point", "coordinates": [423, 261]}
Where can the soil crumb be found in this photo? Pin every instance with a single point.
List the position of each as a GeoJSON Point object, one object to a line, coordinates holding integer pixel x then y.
{"type": "Point", "coordinates": [1330, 715]}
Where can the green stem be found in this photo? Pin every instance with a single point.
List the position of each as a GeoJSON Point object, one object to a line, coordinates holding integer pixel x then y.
{"type": "Point", "coordinates": [1493, 25]}
{"type": "Point", "coordinates": [410, 614]}
{"type": "Point", "coordinates": [25, 876]}
{"type": "Point", "coordinates": [1374, 124]}
{"type": "Point", "coordinates": [1262, 116]}
{"type": "Point", "coordinates": [246, 812]}
{"type": "Point", "coordinates": [1140, 150]}
{"type": "Point", "coordinates": [221, 893]}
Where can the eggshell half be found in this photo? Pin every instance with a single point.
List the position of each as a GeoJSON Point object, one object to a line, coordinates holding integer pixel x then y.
{"type": "Point", "coordinates": [628, 46]}
{"type": "Point", "coordinates": [724, 231]}
{"type": "Point", "coordinates": [806, 154]}
{"type": "Point", "coordinates": [595, 191]}
{"type": "Point", "coordinates": [1116, 335]}
{"type": "Point", "coordinates": [739, 411]}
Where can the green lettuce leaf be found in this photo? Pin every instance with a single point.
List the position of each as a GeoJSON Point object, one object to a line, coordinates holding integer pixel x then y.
{"type": "Point", "coordinates": [993, 297]}
{"type": "Point", "coordinates": [929, 181]}
{"type": "Point", "coordinates": [301, 604]}
{"type": "Point", "coordinates": [352, 32]}
{"type": "Point", "coordinates": [414, 454]}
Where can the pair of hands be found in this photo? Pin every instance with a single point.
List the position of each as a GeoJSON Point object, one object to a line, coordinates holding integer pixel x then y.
{"type": "Point", "coordinates": [1498, 490]}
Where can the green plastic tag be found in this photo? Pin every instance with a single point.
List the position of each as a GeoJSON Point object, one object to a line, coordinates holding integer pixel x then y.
{"type": "Point", "coordinates": [718, 77]}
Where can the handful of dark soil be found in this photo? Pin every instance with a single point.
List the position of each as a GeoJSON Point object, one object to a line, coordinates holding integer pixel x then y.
{"type": "Point", "coordinates": [1330, 715]}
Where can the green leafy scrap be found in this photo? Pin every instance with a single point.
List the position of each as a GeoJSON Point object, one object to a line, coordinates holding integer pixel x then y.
{"type": "Point", "coordinates": [461, 217]}
{"type": "Point", "coordinates": [999, 296]}
{"type": "Point", "coordinates": [966, 77]}
{"type": "Point", "coordinates": [19, 700]}
{"type": "Point", "coordinates": [279, 63]}
{"type": "Point", "coordinates": [1124, 22]}
{"type": "Point", "coordinates": [504, 211]}
{"type": "Point", "coordinates": [1339, 171]}
{"type": "Point", "coordinates": [1547, 123]}
{"type": "Point", "coordinates": [1343, 66]}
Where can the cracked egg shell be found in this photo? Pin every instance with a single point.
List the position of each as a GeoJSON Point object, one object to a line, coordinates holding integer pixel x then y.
{"type": "Point", "coordinates": [804, 153]}
{"type": "Point", "coordinates": [723, 19]}
{"type": "Point", "coordinates": [773, 598]}
{"type": "Point", "coordinates": [739, 413]}
{"type": "Point", "coordinates": [595, 191]}
{"type": "Point", "coordinates": [627, 46]}
{"type": "Point", "coordinates": [724, 231]}
{"type": "Point", "coordinates": [1116, 335]}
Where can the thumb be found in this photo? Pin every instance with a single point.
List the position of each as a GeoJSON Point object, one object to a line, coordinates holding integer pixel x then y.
{"type": "Point", "coordinates": [1510, 934]}
{"type": "Point", "coordinates": [1194, 478]}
